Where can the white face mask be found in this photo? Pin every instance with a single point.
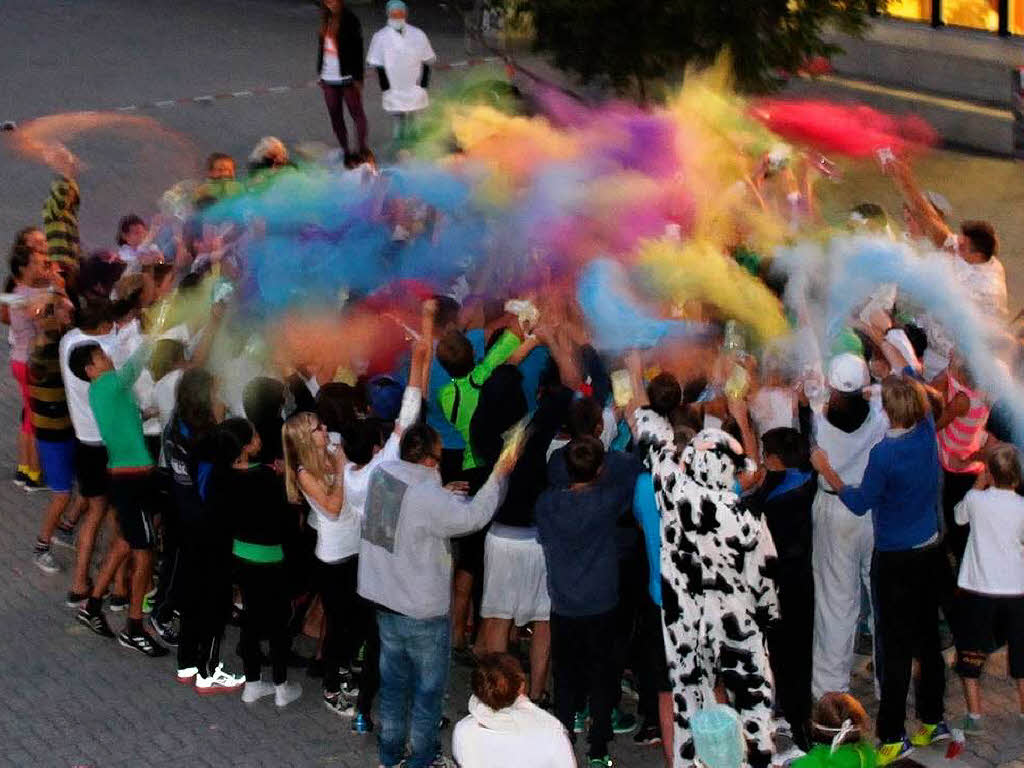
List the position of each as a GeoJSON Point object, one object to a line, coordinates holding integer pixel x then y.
{"type": "Point", "coordinates": [397, 24]}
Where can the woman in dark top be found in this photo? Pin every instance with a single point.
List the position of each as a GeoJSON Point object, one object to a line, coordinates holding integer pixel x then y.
{"type": "Point", "coordinates": [249, 497]}
{"type": "Point", "coordinates": [339, 67]}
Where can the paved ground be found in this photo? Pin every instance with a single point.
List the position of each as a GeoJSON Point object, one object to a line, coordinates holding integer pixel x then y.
{"type": "Point", "coordinates": [72, 699]}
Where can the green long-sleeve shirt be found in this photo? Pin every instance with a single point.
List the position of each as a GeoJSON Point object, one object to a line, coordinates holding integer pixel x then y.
{"type": "Point", "coordinates": [117, 413]}
{"type": "Point", "coordinates": [459, 397]}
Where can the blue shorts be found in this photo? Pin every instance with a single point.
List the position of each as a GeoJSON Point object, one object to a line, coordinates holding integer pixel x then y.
{"type": "Point", "coordinates": [58, 460]}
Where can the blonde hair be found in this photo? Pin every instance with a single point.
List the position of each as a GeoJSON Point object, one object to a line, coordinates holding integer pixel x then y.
{"type": "Point", "coordinates": [300, 452]}
{"type": "Point", "coordinates": [1004, 466]}
{"type": "Point", "coordinates": [904, 401]}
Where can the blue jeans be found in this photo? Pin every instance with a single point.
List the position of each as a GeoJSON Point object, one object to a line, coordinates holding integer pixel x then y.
{"type": "Point", "coordinates": [414, 658]}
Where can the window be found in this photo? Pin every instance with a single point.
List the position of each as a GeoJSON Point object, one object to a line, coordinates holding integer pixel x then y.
{"type": "Point", "coordinates": [976, 14]}
{"type": "Point", "coordinates": [914, 10]}
{"type": "Point", "coordinates": [1016, 17]}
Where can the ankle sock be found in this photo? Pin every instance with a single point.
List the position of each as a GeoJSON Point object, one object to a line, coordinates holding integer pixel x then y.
{"type": "Point", "coordinates": [94, 605]}
{"type": "Point", "coordinates": [134, 627]}
{"type": "Point", "coordinates": [23, 469]}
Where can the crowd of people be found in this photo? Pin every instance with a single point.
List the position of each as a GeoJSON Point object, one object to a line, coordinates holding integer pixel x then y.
{"type": "Point", "coordinates": [696, 529]}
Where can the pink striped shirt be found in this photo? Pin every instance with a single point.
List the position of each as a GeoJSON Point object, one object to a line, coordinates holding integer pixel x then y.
{"type": "Point", "coordinates": [965, 434]}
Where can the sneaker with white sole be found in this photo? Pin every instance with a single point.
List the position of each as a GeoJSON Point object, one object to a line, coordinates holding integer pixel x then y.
{"type": "Point", "coordinates": [97, 622]}
{"type": "Point", "coordinates": [117, 603]}
{"type": "Point", "coordinates": [219, 682]}
{"type": "Point", "coordinates": [166, 632]}
{"type": "Point", "coordinates": [63, 537]}
{"type": "Point", "coordinates": [339, 705]}
{"type": "Point", "coordinates": [286, 693]}
{"type": "Point", "coordinates": [143, 644]}
{"type": "Point", "coordinates": [46, 562]}
{"type": "Point", "coordinates": [76, 599]}
{"type": "Point", "coordinates": [187, 676]}
{"type": "Point", "coordinates": [255, 690]}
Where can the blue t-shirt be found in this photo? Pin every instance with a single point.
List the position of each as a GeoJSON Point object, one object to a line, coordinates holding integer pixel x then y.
{"type": "Point", "coordinates": [901, 487]}
{"type": "Point", "coordinates": [531, 368]}
{"type": "Point", "coordinates": [645, 507]}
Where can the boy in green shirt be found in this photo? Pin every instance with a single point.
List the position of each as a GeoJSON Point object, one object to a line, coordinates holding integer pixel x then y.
{"type": "Point", "coordinates": [131, 486]}
{"type": "Point", "coordinates": [460, 396]}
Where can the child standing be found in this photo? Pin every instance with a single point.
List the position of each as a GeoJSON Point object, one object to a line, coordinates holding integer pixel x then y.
{"type": "Point", "coordinates": [991, 576]}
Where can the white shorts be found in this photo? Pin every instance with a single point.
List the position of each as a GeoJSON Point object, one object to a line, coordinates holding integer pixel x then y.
{"type": "Point", "coordinates": [515, 576]}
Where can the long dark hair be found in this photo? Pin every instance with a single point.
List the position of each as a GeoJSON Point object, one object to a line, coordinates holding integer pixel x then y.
{"type": "Point", "coordinates": [194, 402]}
{"type": "Point", "coordinates": [330, 22]}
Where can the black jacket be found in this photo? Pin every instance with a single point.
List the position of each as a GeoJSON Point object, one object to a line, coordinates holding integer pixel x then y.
{"type": "Point", "coordinates": [350, 47]}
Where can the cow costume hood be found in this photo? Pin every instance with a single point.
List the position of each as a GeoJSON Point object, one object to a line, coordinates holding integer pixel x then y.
{"type": "Point", "coordinates": [713, 459]}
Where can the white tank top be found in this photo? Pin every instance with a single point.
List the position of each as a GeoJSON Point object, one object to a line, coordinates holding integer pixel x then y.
{"type": "Point", "coordinates": [848, 451]}
{"type": "Point", "coordinates": [336, 537]}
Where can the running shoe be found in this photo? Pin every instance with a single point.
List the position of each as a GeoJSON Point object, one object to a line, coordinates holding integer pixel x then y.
{"type": "Point", "coordinates": [166, 632]}
{"type": "Point", "coordinates": [46, 562]}
{"type": "Point", "coordinates": [256, 690]}
{"type": "Point", "coordinates": [441, 762]}
{"type": "Point", "coordinates": [147, 601]}
{"type": "Point", "coordinates": [362, 724]}
{"type": "Point", "coordinates": [622, 722]}
{"type": "Point", "coordinates": [349, 687]}
{"type": "Point", "coordinates": [579, 723]}
{"type": "Point", "coordinates": [600, 762]}
{"type": "Point", "coordinates": [286, 693]}
{"type": "Point", "coordinates": [219, 682]}
{"type": "Point", "coordinates": [76, 599]}
{"type": "Point", "coordinates": [337, 704]}
{"type": "Point", "coordinates": [117, 603]}
{"type": "Point", "coordinates": [143, 644]}
{"type": "Point", "coordinates": [187, 676]}
{"type": "Point", "coordinates": [34, 486]}
{"type": "Point", "coordinates": [892, 751]}
{"type": "Point", "coordinates": [647, 734]}
{"type": "Point", "coordinates": [97, 622]}
{"type": "Point", "coordinates": [930, 734]}
{"type": "Point", "coordinates": [20, 478]}
{"type": "Point", "coordinates": [63, 537]}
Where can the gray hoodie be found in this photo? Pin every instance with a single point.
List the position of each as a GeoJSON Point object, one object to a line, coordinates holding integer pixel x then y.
{"type": "Point", "coordinates": [405, 559]}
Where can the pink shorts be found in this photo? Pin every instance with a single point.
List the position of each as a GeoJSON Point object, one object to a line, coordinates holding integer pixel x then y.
{"type": "Point", "coordinates": [20, 371]}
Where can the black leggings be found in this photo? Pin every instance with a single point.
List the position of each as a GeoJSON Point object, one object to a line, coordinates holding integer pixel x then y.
{"type": "Point", "coordinates": [205, 603]}
{"type": "Point", "coordinates": [264, 588]}
{"type": "Point", "coordinates": [346, 616]}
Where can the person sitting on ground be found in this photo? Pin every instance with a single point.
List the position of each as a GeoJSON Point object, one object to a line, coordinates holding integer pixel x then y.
{"type": "Point", "coordinates": [504, 729]}
{"type": "Point", "coordinates": [838, 728]}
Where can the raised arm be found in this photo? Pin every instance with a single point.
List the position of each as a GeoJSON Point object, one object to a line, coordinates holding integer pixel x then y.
{"type": "Point", "coordinates": [923, 211]}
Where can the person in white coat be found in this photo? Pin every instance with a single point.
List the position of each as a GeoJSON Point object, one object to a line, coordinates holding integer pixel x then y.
{"type": "Point", "coordinates": [848, 427]}
{"type": "Point", "coordinates": [504, 729]}
{"type": "Point", "coordinates": [401, 54]}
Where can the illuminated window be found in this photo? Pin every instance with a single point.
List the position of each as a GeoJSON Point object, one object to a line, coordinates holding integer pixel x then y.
{"type": "Point", "coordinates": [914, 10]}
{"type": "Point", "coordinates": [976, 14]}
{"type": "Point", "coordinates": [1017, 17]}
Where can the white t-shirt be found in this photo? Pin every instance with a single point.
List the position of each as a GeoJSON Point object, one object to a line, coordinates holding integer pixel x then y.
{"type": "Point", "coordinates": [993, 562]}
{"type": "Point", "coordinates": [848, 451]}
{"type": "Point", "coordinates": [402, 54]}
{"type": "Point", "coordinates": [357, 480]}
{"type": "Point", "coordinates": [86, 429]}
{"type": "Point", "coordinates": [773, 407]}
{"type": "Point", "coordinates": [330, 72]}
{"type": "Point", "coordinates": [522, 734]}
{"type": "Point", "coordinates": [135, 257]}
{"type": "Point", "coordinates": [127, 338]}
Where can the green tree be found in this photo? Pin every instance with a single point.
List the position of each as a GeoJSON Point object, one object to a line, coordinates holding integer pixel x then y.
{"type": "Point", "coordinates": [635, 44]}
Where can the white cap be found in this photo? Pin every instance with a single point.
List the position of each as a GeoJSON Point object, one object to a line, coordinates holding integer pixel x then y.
{"type": "Point", "coordinates": [848, 373]}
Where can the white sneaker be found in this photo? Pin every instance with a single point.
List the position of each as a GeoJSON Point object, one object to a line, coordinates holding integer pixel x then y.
{"type": "Point", "coordinates": [46, 562]}
{"type": "Point", "coordinates": [286, 693]}
{"type": "Point", "coordinates": [256, 690]}
{"type": "Point", "coordinates": [219, 682]}
{"type": "Point", "coordinates": [187, 675]}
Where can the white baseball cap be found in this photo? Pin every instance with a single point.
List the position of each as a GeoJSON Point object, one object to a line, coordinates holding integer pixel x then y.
{"type": "Point", "coordinates": [848, 373]}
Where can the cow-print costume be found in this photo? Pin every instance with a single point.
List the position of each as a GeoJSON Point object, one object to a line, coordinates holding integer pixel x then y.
{"type": "Point", "coordinates": [716, 599]}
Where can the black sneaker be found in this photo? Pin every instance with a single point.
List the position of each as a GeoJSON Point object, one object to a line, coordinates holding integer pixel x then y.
{"type": "Point", "coordinates": [647, 734]}
{"type": "Point", "coordinates": [143, 644]}
{"type": "Point", "coordinates": [97, 622]}
{"type": "Point", "coordinates": [76, 599]}
{"type": "Point", "coordinates": [117, 603]}
{"type": "Point", "coordinates": [166, 632]}
{"type": "Point", "coordinates": [20, 478]}
{"type": "Point", "coordinates": [349, 687]}
{"type": "Point", "coordinates": [33, 486]}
